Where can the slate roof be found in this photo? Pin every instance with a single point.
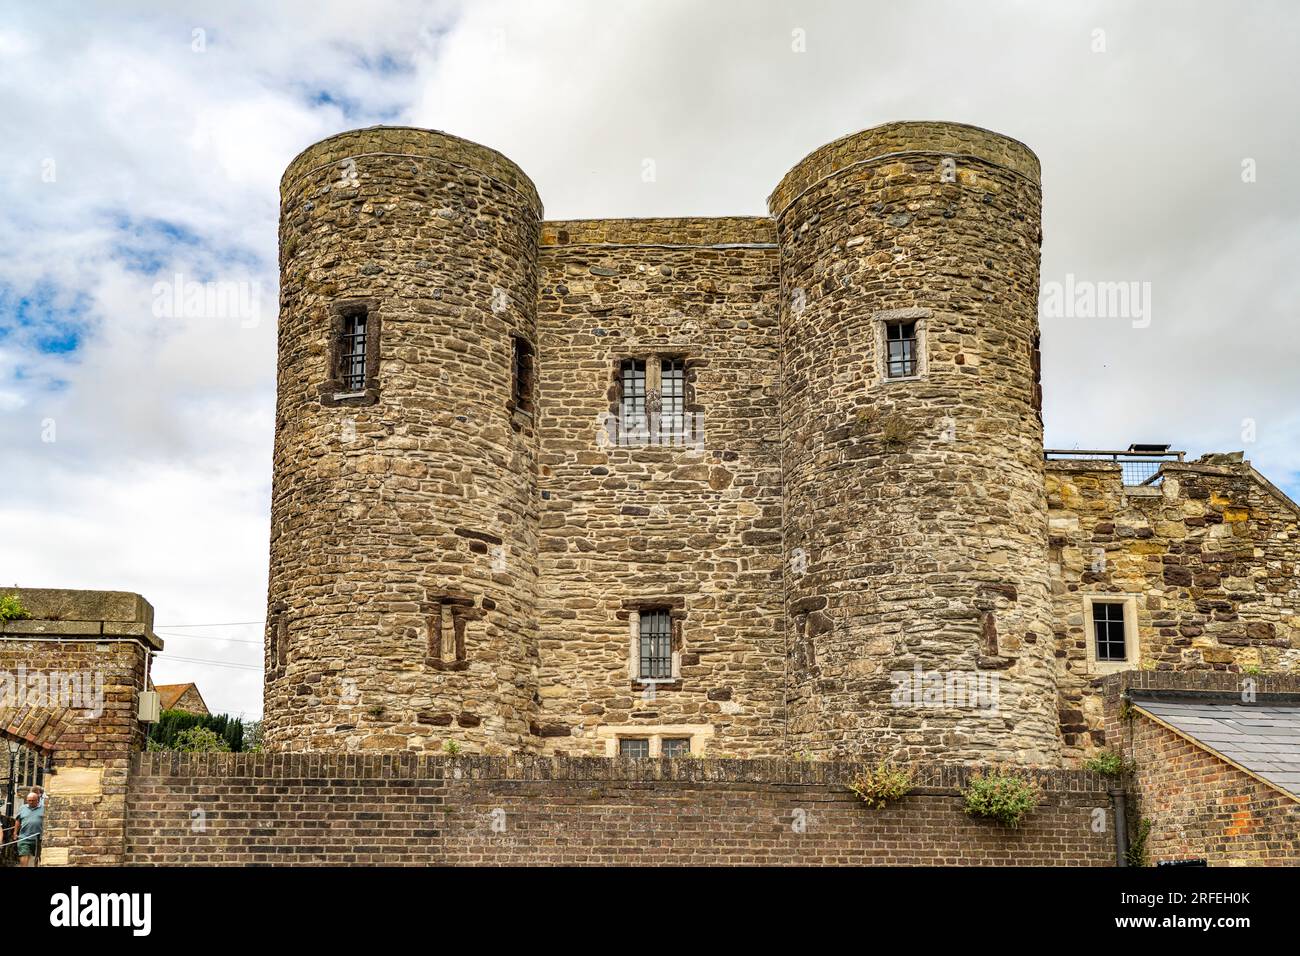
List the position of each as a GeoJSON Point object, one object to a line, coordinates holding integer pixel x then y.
{"type": "Point", "coordinates": [1263, 737]}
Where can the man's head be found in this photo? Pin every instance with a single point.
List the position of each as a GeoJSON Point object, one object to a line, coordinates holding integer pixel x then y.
{"type": "Point", "coordinates": [33, 799]}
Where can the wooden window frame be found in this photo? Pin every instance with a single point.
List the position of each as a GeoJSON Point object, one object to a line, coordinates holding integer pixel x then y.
{"type": "Point", "coordinates": [332, 392]}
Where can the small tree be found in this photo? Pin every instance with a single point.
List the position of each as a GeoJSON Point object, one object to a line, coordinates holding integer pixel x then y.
{"type": "Point", "coordinates": [199, 740]}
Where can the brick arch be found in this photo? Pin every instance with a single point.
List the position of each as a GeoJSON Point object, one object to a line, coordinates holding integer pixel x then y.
{"type": "Point", "coordinates": [38, 727]}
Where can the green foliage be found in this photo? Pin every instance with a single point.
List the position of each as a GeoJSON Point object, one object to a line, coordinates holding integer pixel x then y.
{"type": "Point", "coordinates": [253, 737]}
{"type": "Point", "coordinates": [1137, 847]}
{"type": "Point", "coordinates": [172, 723]}
{"type": "Point", "coordinates": [1252, 669]}
{"type": "Point", "coordinates": [1005, 797]}
{"type": "Point", "coordinates": [11, 608]}
{"type": "Point", "coordinates": [451, 748]}
{"type": "Point", "coordinates": [199, 740]}
{"type": "Point", "coordinates": [1108, 762]}
{"type": "Point", "coordinates": [882, 783]}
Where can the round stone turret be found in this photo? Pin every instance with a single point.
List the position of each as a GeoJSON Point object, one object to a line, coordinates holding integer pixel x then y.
{"type": "Point", "coordinates": [403, 521]}
{"type": "Point", "coordinates": [917, 606]}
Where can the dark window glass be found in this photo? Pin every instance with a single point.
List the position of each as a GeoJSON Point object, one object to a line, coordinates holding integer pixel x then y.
{"type": "Point", "coordinates": [1108, 631]}
{"type": "Point", "coordinates": [522, 391]}
{"type": "Point", "coordinates": [352, 352]}
{"type": "Point", "coordinates": [633, 407]}
{"type": "Point", "coordinates": [633, 747]}
{"type": "Point", "coordinates": [901, 341]}
{"type": "Point", "coordinates": [656, 646]}
{"type": "Point", "coordinates": [676, 746]}
{"type": "Point", "coordinates": [672, 418]}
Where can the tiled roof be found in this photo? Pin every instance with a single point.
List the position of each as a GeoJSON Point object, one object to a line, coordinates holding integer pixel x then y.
{"type": "Point", "coordinates": [169, 694]}
{"type": "Point", "coordinates": [1263, 737]}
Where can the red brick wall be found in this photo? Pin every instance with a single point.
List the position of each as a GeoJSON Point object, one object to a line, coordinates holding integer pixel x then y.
{"type": "Point", "coordinates": [403, 809]}
{"type": "Point", "coordinates": [1201, 806]}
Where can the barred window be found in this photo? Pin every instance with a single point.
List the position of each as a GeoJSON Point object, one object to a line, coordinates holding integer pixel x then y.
{"type": "Point", "coordinates": [352, 351]}
{"type": "Point", "coordinates": [633, 395]}
{"type": "Point", "coordinates": [672, 420]}
{"type": "Point", "coordinates": [633, 747]}
{"type": "Point", "coordinates": [656, 645]}
{"type": "Point", "coordinates": [1108, 631]}
{"type": "Point", "coordinates": [675, 746]}
{"type": "Point", "coordinates": [900, 339]}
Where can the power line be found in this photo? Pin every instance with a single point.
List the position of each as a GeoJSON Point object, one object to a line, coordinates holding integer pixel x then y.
{"type": "Point", "coordinates": [225, 624]}
{"type": "Point", "coordinates": [199, 660]}
{"type": "Point", "coordinates": [209, 637]}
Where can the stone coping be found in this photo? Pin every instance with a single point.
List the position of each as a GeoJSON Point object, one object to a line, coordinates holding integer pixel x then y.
{"type": "Point", "coordinates": [687, 230]}
{"type": "Point", "coordinates": [415, 142]}
{"type": "Point", "coordinates": [1199, 682]}
{"type": "Point", "coordinates": [81, 615]}
{"type": "Point", "coordinates": [949, 139]}
{"type": "Point", "coordinates": [931, 777]}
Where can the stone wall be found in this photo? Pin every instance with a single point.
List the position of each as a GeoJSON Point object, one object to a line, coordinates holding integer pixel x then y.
{"type": "Point", "coordinates": [695, 526]}
{"type": "Point", "coordinates": [915, 522]}
{"type": "Point", "coordinates": [1211, 557]}
{"type": "Point", "coordinates": [87, 730]}
{"type": "Point", "coordinates": [411, 809]}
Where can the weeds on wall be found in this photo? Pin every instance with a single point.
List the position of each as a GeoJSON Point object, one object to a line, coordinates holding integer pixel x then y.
{"type": "Point", "coordinates": [880, 785]}
{"type": "Point", "coordinates": [1004, 797]}
{"type": "Point", "coordinates": [1108, 762]}
{"type": "Point", "coordinates": [1137, 848]}
{"type": "Point", "coordinates": [11, 608]}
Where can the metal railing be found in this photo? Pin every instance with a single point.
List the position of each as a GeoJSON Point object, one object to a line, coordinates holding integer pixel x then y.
{"type": "Point", "coordinates": [1140, 468]}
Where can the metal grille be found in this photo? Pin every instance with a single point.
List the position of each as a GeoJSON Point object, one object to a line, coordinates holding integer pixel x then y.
{"type": "Point", "coordinates": [352, 352]}
{"type": "Point", "coordinates": [1108, 630]}
{"type": "Point", "coordinates": [26, 769]}
{"type": "Point", "coordinates": [675, 746]}
{"type": "Point", "coordinates": [633, 747]}
{"type": "Point", "coordinates": [656, 646]}
{"type": "Point", "coordinates": [901, 339]}
{"type": "Point", "coordinates": [1138, 468]}
{"type": "Point", "coordinates": [633, 408]}
{"type": "Point", "coordinates": [672, 416]}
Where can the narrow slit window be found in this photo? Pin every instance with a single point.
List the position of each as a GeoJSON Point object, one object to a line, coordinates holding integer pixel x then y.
{"type": "Point", "coordinates": [523, 360]}
{"type": "Point", "coordinates": [352, 351]}
{"type": "Point", "coordinates": [1108, 631]}
{"type": "Point", "coordinates": [672, 419]}
{"type": "Point", "coordinates": [632, 411]}
{"type": "Point", "coordinates": [900, 340]}
{"type": "Point", "coordinates": [656, 645]}
{"type": "Point", "coordinates": [633, 747]}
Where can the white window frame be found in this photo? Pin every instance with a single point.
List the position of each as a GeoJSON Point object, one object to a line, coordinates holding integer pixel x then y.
{"type": "Point", "coordinates": [1132, 649]}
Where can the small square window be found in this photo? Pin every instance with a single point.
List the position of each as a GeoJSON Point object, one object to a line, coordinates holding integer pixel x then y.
{"type": "Point", "coordinates": [675, 746]}
{"type": "Point", "coordinates": [633, 747]}
{"type": "Point", "coordinates": [1111, 633]}
{"type": "Point", "coordinates": [901, 349]}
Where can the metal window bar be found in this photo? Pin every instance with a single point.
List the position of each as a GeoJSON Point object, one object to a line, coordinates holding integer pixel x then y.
{"type": "Point", "coordinates": [656, 646]}
{"type": "Point", "coordinates": [1139, 469]}
{"type": "Point", "coordinates": [1108, 631]}
{"type": "Point", "coordinates": [633, 747]}
{"type": "Point", "coordinates": [352, 352]}
{"type": "Point", "coordinates": [675, 746]}
{"type": "Point", "coordinates": [26, 770]}
{"type": "Point", "coordinates": [901, 340]}
{"type": "Point", "coordinates": [632, 419]}
{"type": "Point", "coordinates": [672, 415]}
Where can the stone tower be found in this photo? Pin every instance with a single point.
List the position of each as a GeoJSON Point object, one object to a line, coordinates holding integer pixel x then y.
{"type": "Point", "coordinates": [915, 520]}
{"type": "Point", "coordinates": [403, 539]}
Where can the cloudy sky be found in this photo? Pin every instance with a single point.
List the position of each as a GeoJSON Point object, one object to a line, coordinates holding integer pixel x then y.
{"type": "Point", "coordinates": [135, 444]}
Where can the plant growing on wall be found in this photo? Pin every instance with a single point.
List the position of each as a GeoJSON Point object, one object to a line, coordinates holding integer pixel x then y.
{"type": "Point", "coordinates": [1108, 762]}
{"type": "Point", "coordinates": [451, 748]}
{"type": "Point", "coordinates": [1005, 797]}
{"type": "Point", "coordinates": [882, 783]}
{"type": "Point", "coordinates": [11, 608]}
{"type": "Point", "coordinates": [1137, 848]}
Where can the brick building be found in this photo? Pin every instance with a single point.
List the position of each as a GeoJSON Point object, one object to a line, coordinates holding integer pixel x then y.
{"type": "Point", "coordinates": [747, 486]}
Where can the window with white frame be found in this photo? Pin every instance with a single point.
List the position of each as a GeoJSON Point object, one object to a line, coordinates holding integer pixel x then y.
{"type": "Point", "coordinates": [1111, 632]}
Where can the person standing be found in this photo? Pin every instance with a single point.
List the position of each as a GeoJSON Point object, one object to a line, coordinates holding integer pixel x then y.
{"type": "Point", "coordinates": [28, 825]}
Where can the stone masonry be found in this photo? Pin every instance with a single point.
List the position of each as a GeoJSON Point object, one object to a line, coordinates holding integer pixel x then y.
{"type": "Point", "coordinates": [465, 534]}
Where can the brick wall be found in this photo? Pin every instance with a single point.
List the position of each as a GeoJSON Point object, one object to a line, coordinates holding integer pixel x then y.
{"type": "Point", "coordinates": [1200, 806]}
{"type": "Point", "coordinates": [101, 639]}
{"type": "Point", "coordinates": [409, 809]}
